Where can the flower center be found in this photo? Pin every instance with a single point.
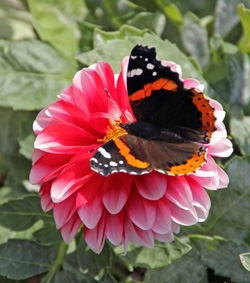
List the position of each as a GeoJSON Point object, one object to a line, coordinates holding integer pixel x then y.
{"type": "Point", "coordinates": [114, 131]}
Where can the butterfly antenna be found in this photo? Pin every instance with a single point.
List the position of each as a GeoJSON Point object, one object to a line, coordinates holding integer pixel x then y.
{"type": "Point", "coordinates": [117, 104]}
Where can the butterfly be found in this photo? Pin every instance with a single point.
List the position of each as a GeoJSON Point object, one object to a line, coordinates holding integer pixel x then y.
{"type": "Point", "coordinates": [173, 123]}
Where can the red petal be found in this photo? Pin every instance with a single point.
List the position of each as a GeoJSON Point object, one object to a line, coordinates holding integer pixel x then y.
{"type": "Point", "coordinates": [141, 211]}
{"type": "Point", "coordinates": [151, 186]}
{"type": "Point", "coordinates": [163, 221]}
{"type": "Point", "coordinates": [88, 91]}
{"type": "Point", "coordinates": [70, 229]}
{"type": "Point", "coordinates": [89, 201]}
{"type": "Point", "coordinates": [64, 210]}
{"type": "Point", "coordinates": [179, 192]}
{"type": "Point", "coordinates": [75, 175]}
{"type": "Point", "coordinates": [48, 167]}
{"type": "Point", "coordinates": [63, 138]}
{"type": "Point", "coordinates": [95, 237]}
{"type": "Point", "coordinates": [116, 191]}
{"type": "Point", "coordinates": [114, 228]}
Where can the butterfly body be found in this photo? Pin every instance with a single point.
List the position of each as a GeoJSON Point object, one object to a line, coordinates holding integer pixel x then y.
{"type": "Point", "coordinates": [172, 123]}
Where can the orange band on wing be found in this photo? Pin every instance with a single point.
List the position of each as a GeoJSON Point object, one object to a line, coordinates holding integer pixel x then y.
{"type": "Point", "coordinates": [125, 152]}
{"type": "Point", "coordinates": [196, 162]}
{"type": "Point", "coordinates": [207, 111]}
{"type": "Point", "coordinates": [157, 85]}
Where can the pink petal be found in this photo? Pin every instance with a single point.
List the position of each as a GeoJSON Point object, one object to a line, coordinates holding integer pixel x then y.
{"type": "Point", "coordinates": [76, 174]}
{"type": "Point", "coordinates": [37, 154]}
{"type": "Point", "coordinates": [124, 71]}
{"type": "Point", "coordinates": [137, 236]}
{"type": "Point", "coordinates": [95, 237]}
{"type": "Point", "coordinates": [141, 211]}
{"type": "Point", "coordinates": [151, 186]}
{"type": "Point", "coordinates": [175, 227]}
{"type": "Point", "coordinates": [223, 178]}
{"type": "Point", "coordinates": [192, 83]}
{"type": "Point", "coordinates": [46, 202]}
{"type": "Point", "coordinates": [163, 222]}
{"type": "Point", "coordinates": [63, 138]}
{"type": "Point", "coordinates": [114, 228]}
{"type": "Point", "coordinates": [183, 217]}
{"type": "Point", "coordinates": [106, 74]}
{"type": "Point", "coordinates": [64, 210]}
{"type": "Point", "coordinates": [208, 169]}
{"type": "Point", "coordinates": [168, 237]}
{"type": "Point", "coordinates": [70, 229]}
{"type": "Point", "coordinates": [89, 201]}
{"type": "Point", "coordinates": [67, 95]}
{"type": "Point", "coordinates": [122, 94]}
{"type": "Point", "coordinates": [48, 167]}
{"type": "Point", "coordinates": [173, 66]}
{"type": "Point", "coordinates": [88, 91]}
{"type": "Point", "coordinates": [220, 115]}
{"type": "Point", "coordinates": [42, 121]}
{"type": "Point", "coordinates": [116, 191]}
{"type": "Point", "coordinates": [201, 200]}
{"type": "Point", "coordinates": [215, 104]}
{"type": "Point", "coordinates": [179, 192]}
{"type": "Point", "coordinates": [65, 112]}
{"type": "Point", "coordinates": [223, 148]}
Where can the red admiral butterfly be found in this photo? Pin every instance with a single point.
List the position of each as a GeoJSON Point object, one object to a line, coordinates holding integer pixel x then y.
{"type": "Point", "coordinates": [172, 123]}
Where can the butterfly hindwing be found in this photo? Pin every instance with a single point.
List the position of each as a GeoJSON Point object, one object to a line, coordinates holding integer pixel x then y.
{"type": "Point", "coordinates": [131, 154]}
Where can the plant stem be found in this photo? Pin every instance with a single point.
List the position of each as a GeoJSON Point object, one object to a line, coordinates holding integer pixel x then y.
{"type": "Point", "coordinates": [59, 259]}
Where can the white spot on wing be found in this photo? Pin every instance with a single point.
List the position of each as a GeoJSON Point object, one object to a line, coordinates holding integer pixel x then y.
{"type": "Point", "coordinates": [104, 153]}
{"type": "Point", "coordinates": [112, 163]}
{"type": "Point", "coordinates": [133, 57]}
{"type": "Point", "coordinates": [150, 66]}
{"type": "Point", "coordinates": [121, 162]}
{"type": "Point", "coordinates": [154, 74]}
{"type": "Point", "coordinates": [135, 72]}
{"type": "Point", "coordinates": [94, 159]}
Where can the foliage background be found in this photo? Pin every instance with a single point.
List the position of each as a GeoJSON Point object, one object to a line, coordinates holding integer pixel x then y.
{"type": "Point", "coordinates": [42, 45]}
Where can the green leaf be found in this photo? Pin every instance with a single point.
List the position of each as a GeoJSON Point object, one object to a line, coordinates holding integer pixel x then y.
{"type": "Point", "coordinates": [71, 266]}
{"type": "Point", "coordinates": [161, 255]}
{"type": "Point", "coordinates": [48, 235]}
{"type": "Point", "coordinates": [15, 22]}
{"type": "Point", "coordinates": [188, 266]}
{"type": "Point", "coordinates": [229, 214]}
{"type": "Point", "coordinates": [222, 256]}
{"type": "Point", "coordinates": [239, 128]}
{"type": "Point", "coordinates": [102, 37]}
{"type": "Point", "coordinates": [122, 47]}
{"type": "Point", "coordinates": [245, 260]}
{"type": "Point", "coordinates": [113, 13]}
{"type": "Point", "coordinates": [27, 146]}
{"type": "Point", "coordinates": [226, 17]}
{"type": "Point", "coordinates": [32, 74]}
{"type": "Point", "coordinates": [20, 214]}
{"type": "Point", "coordinates": [152, 21]}
{"type": "Point", "coordinates": [9, 193]}
{"type": "Point", "coordinates": [170, 10]}
{"type": "Point", "coordinates": [21, 259]}
{"type": "Point", "coordinates": [244, 15]}
{"type": "Point", "coordinates": [55, 22]}
{"type": "Point", "coordinates": [92, 264]}
{"type": "Point", "coordinates": [6, 234]}
{"type": "Point", "coordinates": [195, 38]}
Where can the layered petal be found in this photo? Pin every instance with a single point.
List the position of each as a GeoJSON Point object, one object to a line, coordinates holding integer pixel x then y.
{"type": "Point", "coordinates": [121, 207]}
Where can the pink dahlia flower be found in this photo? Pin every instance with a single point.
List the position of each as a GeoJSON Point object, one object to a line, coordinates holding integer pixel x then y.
{"type": "Point", "coordinates": [120, 207]}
